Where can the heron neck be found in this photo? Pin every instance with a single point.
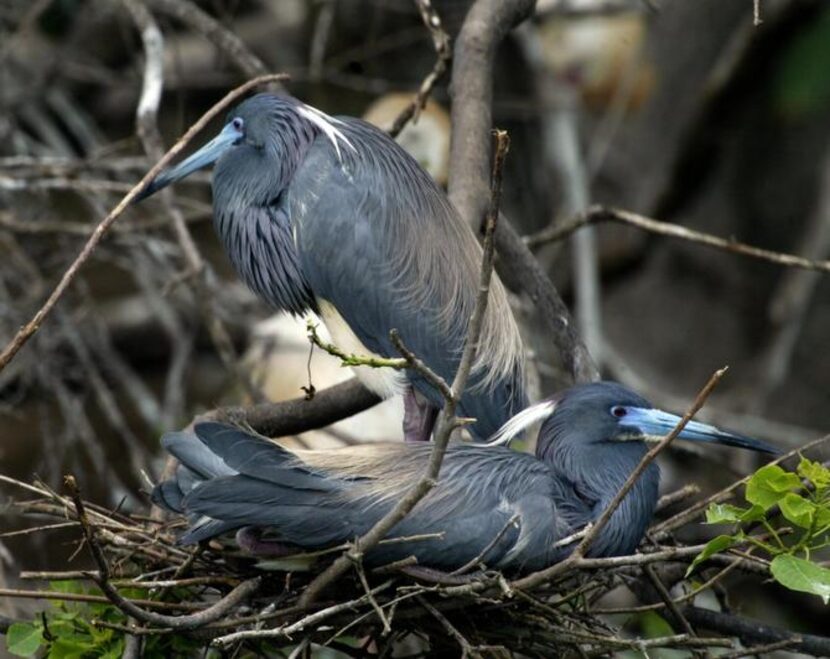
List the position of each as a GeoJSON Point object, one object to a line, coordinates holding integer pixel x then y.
{"type": "Point", "coordinates": [597, 472]}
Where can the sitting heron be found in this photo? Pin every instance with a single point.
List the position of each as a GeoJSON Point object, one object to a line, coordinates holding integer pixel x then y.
{"type": "Point", "coordinates": [507, 508]}
{"type": "Point", "coordinates": [330, 215]}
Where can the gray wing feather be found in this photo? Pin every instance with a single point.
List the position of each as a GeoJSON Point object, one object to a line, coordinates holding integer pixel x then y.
{"type": "Point", "coordinates": [356, 239]}
{"type": "Point", "coordinates": [481, 491]}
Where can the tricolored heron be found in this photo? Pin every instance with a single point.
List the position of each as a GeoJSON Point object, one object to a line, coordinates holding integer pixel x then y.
{"type": "Point", "coordinates": [329, 214]}
{"type": "Point", "coordinates": [593, 436]}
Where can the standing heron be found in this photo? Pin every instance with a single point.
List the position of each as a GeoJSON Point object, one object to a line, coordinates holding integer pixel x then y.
{"type": "Point", "coordinates": [330, 215]}
{"type": "Point", "coordinates": [506, 508]}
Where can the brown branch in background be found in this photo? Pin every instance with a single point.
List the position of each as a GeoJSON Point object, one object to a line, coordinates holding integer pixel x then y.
{"type": "Point", "coordinates": [598, 214]}
{"type": "Point", "coordinates": [578, 553]}
{"type": "Point", "coordinates": [448, 421]}
{"type": "Point", "coordinates": [441, 43]}
{"type": "Point", "coordinates": [790, 301]}
{"type": "Point", "coordinates": [487, 23]}
{"type": "Point", "coordinates": [28, 330]}
{"type": "Point", "coordinates": [225, 40]}
{"type": "Point", "coordinates": [752, 631]}
{"type": "Point", "coordinates": [298, 415]}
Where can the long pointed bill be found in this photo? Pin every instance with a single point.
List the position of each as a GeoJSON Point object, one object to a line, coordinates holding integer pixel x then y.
{"type": "Point", "coordinates": [204, 157]}
{"type": "Point", "coordinates": [656, 424]}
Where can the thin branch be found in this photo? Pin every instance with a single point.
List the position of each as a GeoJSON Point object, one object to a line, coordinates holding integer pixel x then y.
{"type": "Point", "coordinates": [598, 214]}
{"type": "Point", "coordinates": [303, 623]}
{"type": "Point", "coordinates": [351, 359]}
{"type": "Point", "coordinates": [480, 557]}
{"type": "Point", "coordinates": [467, 650]}
{"type": "Point", "coordinates": [441, 43]}
{"type": "Point", "coordinates": [28, 330]}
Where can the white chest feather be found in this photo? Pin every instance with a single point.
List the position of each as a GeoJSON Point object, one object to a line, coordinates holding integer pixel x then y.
{"type": "Point", "coordinates": [385, 382]}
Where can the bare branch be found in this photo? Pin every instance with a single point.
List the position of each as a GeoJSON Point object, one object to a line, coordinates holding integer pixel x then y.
{"type": "Point", "coordinates": [441, 43]}
{"type": "Point", "coordinates": [597, 214]}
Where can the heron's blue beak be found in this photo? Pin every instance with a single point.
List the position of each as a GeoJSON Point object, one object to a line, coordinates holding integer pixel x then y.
{"type": "Point", "coordinates": [656, 424]}
{"type": "Point", "coordinates": [207, 155]}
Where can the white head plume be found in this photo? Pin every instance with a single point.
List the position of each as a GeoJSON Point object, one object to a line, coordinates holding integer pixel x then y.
{"type": "Point", "coordinates": [522, 421]}
{"type": "Point", "coordinates": [326, 124]}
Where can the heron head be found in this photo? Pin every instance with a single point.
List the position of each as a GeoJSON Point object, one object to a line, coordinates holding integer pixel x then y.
{"type": "Point", "coordinates": [232, 134]}
{"type": "Point", "coordinates": [607, 413]}
{"type": "Point", "coordinates": [276, 127]}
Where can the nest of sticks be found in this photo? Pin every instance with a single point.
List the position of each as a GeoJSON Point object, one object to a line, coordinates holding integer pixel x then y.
{"type": "Point", "coordinates": [216, 596]}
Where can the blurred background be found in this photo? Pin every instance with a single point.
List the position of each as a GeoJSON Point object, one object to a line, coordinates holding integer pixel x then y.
{"type": "Point", "coordinates": [687, 112]}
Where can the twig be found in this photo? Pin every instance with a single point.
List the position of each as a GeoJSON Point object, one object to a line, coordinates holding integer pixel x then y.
{"type": "Point", "coordinates": [597, 214]}
{"type": "Point", "coordinates": [441, 43]}
{"type": "Point", "coordinates": [667, 599]}
{"type": "Point", "coordinates": [449, 423]}
{"type": "Point", "coordinates": [540, 577]}
{"type": "Point", "coordinates": [351, 359]}
{"type": "Point", "coordinates": [303, 623]}
{"type": "Point", "coordinates": [361, 573]}
{"type": "Point", "coordinates": [467, 650]}
{"type": "Point", "coordinates": [694, 592]}
{"type": "Point", "coordinates": [756, 13]}
{"type": "Point", "coordinates": [761, 650]}
{"type": "Point", "coordinates": [475, 561]}
{"type": "Point", "coordinates": [668, 500]}
{"type": "Point", "coordinates": [29, 329]}
{"type": "Point", "coordinates": [96, 599]}
{"type": "Point", "coordinates": [417, 364]}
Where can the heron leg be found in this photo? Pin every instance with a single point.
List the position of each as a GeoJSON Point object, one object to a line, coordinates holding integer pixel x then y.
{"type": "Point", "coordinates": [419, 416]}
{"type": "Point", "coordinates": [249, 539]}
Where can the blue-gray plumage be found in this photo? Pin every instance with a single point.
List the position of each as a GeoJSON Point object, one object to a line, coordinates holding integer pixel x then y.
{"type": "Point", "coordinates": [591, 439]}
{"type": "Point", "coordinates": [329, 214]}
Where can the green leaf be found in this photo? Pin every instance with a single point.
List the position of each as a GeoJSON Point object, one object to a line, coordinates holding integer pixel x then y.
{"type": "Point", "coordinates": [753, 514]}
{"type": "Point", "coordinates": [23, 639]}
{"type": "Point", "coordinates": [714, 546]}
{"type": "Point", "coordinates": [798, 510]}
{"type": "Point", "coordinates": [769, 485]}
{"type": "Point", "coordinates": [815, 472]}
{"type": "Point", "coordinates": [801, 575]}
{"type": "Point", "coordinates": [73, 647]}
{"type": "Point", "coordinates": [723, 513]}
{"type": "Point", "coordinates": [822, 519]}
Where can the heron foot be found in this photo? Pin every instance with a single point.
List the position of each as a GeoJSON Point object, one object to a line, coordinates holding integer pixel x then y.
{"type": "Point", "coordinates": [418, 418]}
{"type": "Point", "coordinates": [249, 539]}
